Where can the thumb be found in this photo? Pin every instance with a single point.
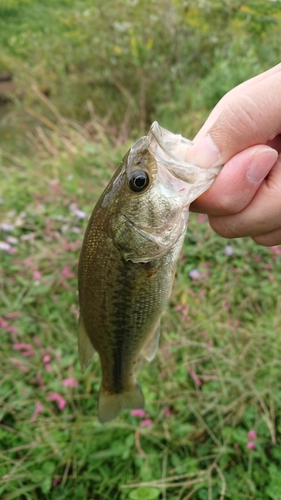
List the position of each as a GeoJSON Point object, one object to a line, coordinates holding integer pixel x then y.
{"type": "Point", "coordinates": [249, 118]}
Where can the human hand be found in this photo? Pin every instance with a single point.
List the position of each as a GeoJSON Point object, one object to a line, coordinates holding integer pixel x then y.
{"type": "Point", "coordinates": [243, 132]}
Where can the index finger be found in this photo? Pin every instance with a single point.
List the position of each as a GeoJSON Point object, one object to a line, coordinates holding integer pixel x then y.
{"type": "Point", "coordinates": [249, 118]}
{"type": "Point", "coordinates": [232, 94]}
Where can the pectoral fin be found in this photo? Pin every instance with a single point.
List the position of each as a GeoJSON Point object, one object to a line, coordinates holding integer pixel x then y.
{"type": "Point", "coordinates": [85, 348]}
{"type": "Point", "coordinates": [151, 347]}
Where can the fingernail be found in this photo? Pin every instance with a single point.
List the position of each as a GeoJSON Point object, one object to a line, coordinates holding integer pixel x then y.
{"type": "Point", "coordinates": [204, 153]}
{"type": "Point", "coordinates": [261, 164]}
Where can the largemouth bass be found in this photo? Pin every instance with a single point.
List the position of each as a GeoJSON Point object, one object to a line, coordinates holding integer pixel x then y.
{"type": "Point", "coordinates": [128, 261]}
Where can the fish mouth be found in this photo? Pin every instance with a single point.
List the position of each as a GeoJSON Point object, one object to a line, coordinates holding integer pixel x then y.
{"type": "Point", "coordinates": [170, 151]}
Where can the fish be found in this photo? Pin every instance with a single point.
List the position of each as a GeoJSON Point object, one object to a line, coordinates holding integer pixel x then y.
{"type": "Point", "coordinates": [128, 261]}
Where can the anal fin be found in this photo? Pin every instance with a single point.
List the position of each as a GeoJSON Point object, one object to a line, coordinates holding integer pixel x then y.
{"type": "Point", "coordinates": [151, 346]}
{"type": "Point", "coordinates": [85, 348]}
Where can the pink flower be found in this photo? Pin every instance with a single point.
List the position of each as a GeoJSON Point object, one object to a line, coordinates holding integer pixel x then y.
{"type": "Point", "coordinates": [66, 273]}
{"type": "Point", "coordinates": [195, 378]}
{"type": "Point", "coordinates": [55, 396]}
{"type": "Point", "coordinates": [36, 275]}
{"type": "Point", "coordinates": [251, 445]}
{"type": "Point", "coordinates": [252, 435]}
{"type": "Point", "coordinates": [201, 218]}
{"type": "Point", "coordinates": [12, 315]}
{"type": "Point", "coordinates": [39, 408]}
{"type": "Point", "coordinates": [7, 327]}
{"type": "Point", "coordinates": [46, 359]}
{"type": "Point", "coordinates": [37, 341]}
{"type": "Point", "coordinates": [55, 481]}
{"type": "Point", "coordinates": [165, 352]}
{"type": "Point", "coordinates": [276, 250]}
{"type": "Point", "coordinates": [138, 413]}
{"type": "Point", "coordinates": [19, 365]}
{"type": "Point", "coordinates": [27, 349]}
{"type": "Point", "coordinates": [70, 382]}
{"type": "Point", "coordinates": [168, 412]}
{"type": "Point", "coordinates": [40, 380]}
{"type": "Point", "coordinates": [183, 309]}
{"type": "Point", "coordinates": [146, 423]}
{"type": "Point", "coordinates": [235, 446]}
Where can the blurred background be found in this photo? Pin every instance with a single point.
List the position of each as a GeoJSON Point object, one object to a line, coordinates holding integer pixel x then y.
{"type": "Point", "coordinates": [80, 80]}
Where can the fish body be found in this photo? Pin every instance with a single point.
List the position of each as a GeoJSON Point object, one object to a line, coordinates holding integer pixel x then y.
{"type": "Point", "coordinates": [128, 261]}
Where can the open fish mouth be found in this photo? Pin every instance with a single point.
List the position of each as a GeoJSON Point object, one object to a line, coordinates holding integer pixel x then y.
{"type": "Point", "coordinates": [170, 150]}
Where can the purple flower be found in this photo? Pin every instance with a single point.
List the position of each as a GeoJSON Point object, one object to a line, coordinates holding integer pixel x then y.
{"type": "Point", "coordinates": [6, 226]}
{"type": "Point", "coordinates": [194, 274]}
{"type": "Point", "coordinates": [12, 240]}
{"type": "Point", "coordinates": [76, 211]}
{"type": "Point", "coordinates": [79, 213]}
{"type": "Point", "coordinates": [228, 250]}
{"type": "Point", "coordinates": [5, 246]}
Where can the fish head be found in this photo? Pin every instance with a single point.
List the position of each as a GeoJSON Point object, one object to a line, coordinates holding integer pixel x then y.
{"type": "Point", "coordinates": [150, 195]}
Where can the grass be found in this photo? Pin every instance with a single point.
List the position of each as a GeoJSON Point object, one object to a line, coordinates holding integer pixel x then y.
{"type": "Point", "coordinates": [215, 377]}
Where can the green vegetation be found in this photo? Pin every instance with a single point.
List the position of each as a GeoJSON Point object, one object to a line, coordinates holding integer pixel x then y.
{"type": "Point", "coordinates": [89, 77]}
{"type": "Point", "coordinates": [134, 60]}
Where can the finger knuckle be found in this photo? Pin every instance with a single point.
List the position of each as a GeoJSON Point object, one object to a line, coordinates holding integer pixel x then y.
{"type": "Point", "coordinates": [239, 116]}
{"type": "Point", "coordinates": [244, 115]}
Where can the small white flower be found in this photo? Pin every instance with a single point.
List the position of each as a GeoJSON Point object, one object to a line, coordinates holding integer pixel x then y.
{"type": "Point", "coordinates": [27, 237]}
{"type": "Point", "coordinates": [79, 213]}
{"type": "Point", "coordinates": [7, 226]}
{"type": "Point", "coordinates": [228, 250]}
{"type": "Point", "coordinates": [5, 246]}
{"type": "Point", "coordinates": [194, 274]}
{"type": "Point", "coordinates": [12, 240]}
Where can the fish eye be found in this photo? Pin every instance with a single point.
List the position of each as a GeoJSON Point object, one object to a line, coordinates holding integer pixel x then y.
{"type": "Point", "coordinates": [139, 181]}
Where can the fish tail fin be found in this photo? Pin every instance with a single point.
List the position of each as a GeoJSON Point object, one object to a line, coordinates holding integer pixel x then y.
{"type": "Point", "coordinates": [85, 348]}
{"type": "Point", "coordinates": [110, 405]}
